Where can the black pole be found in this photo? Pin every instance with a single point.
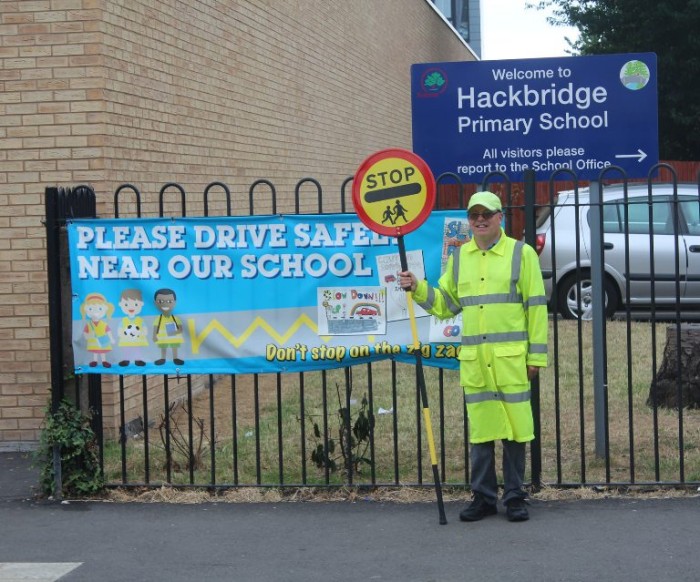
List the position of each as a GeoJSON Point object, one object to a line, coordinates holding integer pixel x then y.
{"type": "Point", "coordinates": [423, 392]}
{"type": "Point", "coordinates": [530, 236]}
{"type": "Point", "coordinates": [53, 230]}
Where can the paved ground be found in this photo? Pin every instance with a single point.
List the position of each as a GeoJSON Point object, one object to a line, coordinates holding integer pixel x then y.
{"type": "Point", "coordinates": [608, 539]}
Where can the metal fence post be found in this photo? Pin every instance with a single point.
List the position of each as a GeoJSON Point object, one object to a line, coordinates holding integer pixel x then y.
{"type": "Point", "coordinates": [530, 235]}
{"type": "Point", "coordinates": [53, 264]}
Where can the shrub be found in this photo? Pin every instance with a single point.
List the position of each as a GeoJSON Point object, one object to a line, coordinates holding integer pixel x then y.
{"type": "Point", "coordinates": [70, 429]}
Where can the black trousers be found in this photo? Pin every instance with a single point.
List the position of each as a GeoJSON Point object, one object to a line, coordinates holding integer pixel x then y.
{"type": "Point", "coordinates": [483, 459]}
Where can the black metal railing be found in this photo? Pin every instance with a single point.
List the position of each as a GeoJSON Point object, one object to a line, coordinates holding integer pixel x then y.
{"type": "Point", "coordinates": [362, 425]}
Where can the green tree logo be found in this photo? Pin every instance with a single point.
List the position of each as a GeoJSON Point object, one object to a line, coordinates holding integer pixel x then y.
{"type": "Point", "coordinates": [434, 81]}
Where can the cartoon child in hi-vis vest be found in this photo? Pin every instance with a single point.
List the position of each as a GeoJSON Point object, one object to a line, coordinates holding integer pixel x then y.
{"type": "Point", "coordinates": [96, 310]}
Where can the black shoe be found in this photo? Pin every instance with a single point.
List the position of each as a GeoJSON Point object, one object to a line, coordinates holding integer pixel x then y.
{"type": "Point", "coordinates": [178, 361]}
{"type": "Point", "coordinates": [516, 510]}
{"type": "Point", "coordinates": [478, 509]}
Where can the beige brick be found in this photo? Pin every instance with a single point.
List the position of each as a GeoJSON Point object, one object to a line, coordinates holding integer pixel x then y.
{"type": "Point", "coordinates": [22, 109]}
{"type": "Point", "coordinates": [34, 400]}
{"type": "Point", "coordinates": [30, 423]}
{"type": "Point", "coordinates": [42, 166]}
{"type": "Point", "coordinates": [17, 412]}
{"type": "Point", "coordinates": [11, 166]}
{"type": "Point", "coordinates": [23, 131]}
{"type": "Point", "coordinates": [37, 74]}
{"type": "Point", "coordinates": [53, 107]}
{"type": "Point", "coordinates": [37, 119]}
{"type": "Point", "coordinates": [52, 85]}
{"type": "Point", "coordinates": [30, 243]}
{"type": "Point", "coordinates": [35, 51]}
{"type": "Point", "coordinates": [69, 50]}
{"type": "Point", "coordinates": [71, 118]}
{"type": "Point", "coordinates": [34, 5]}
{"type": "Point", "coordinates": [39, 142]}
{"type": "Point", "coordinates": [67, 27]}
{"type": "Point", "coordinates": [11, 401]}
{"type": "Point", "coordinates": [31, 310]}
{"type": "Point", "coordinates": [19, 63]}
{"type": "Point", "coordinates": [51, 62]}
{"type": "Point", "coordinates": [55, 130]}
{"type": "Point", "coordinates": [67, 5]}
{"type": "Point", "coordinates": [11, 144]}
{"type": "Point", "coordinates": [17, 87]}
{"type": "Point", "coordinates": [64, 177]}
{"type": "Point", "coordinates": [10, 121]}
{"type": "Point", "coordinates": [17, 18]}
{"type": "Point", "coordinates": [55, 154]}
{"type": "Point", "coordinates": [53, 16]}
{"type": "Point", "coordinates": [73, 166]}
{"type": "Point", "coordinates": [22, 177]}
{"type": "Point", "coordinates": [8, 424]}
{"type": "Point", "coordinates": [44, 367]}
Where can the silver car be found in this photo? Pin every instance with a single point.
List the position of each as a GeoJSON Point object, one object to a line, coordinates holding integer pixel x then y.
{"type": "Point", "coordinates": [628, 241]}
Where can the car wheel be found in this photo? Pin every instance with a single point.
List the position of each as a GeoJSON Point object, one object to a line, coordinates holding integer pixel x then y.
{"type": "Point", "coordinates": [568, 297]}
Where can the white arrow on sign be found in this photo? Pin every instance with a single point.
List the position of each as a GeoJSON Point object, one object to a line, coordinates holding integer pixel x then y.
{"type": "Point", "coordinates": [641, 155]}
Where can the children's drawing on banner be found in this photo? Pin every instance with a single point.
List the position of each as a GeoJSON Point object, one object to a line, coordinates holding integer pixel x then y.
{"type": "Point", "coordinates": [456, 232]}
{"type": "Point", "coordinates": [388, 269]}
{"type": "Point", "coordinates": [351, 310]}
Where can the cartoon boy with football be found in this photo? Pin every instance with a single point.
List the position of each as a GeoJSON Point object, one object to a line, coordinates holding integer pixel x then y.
{"type": "Point", "coordinates": [132, 332]}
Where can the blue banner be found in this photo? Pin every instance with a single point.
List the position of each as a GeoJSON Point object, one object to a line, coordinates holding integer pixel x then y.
{"type": "Point", "coordinates": [249, 294]}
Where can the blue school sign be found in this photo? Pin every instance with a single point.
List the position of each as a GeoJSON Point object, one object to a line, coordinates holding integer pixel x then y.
{"type": "Point", "coordinates": [582, 113]}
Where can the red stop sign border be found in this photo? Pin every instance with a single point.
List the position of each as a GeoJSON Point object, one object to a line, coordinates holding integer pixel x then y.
{"type": "Point", "coordinates": [367, 165]}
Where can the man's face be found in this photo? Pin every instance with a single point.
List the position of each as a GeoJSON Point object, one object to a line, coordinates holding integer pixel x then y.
{"type": "Point", "coordinates": [485, 223]}
{"type": "Point", "coordinates": [131, 307]}
{"type": "Point", "coordinates": [165, 302]}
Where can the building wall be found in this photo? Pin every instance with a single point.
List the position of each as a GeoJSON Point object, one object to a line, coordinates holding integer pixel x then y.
{"type": "Point", "coordinates": [105, 92]}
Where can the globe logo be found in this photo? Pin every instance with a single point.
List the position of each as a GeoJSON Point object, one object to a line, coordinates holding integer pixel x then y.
{"type": "Point", "coordinates": [634, 75]}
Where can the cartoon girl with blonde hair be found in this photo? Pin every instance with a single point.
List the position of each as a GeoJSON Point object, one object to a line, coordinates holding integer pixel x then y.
{"type": "Point", "coordinates": [96, 310]}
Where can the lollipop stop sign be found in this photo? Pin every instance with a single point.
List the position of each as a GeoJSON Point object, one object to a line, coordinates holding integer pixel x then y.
{"type": "Point", "coordinates": [393, 192]}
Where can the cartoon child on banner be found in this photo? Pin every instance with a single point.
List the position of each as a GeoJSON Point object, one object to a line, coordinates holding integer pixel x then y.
{"type": "Point", "coordinates": [133, 334]}
{"type": "Point", "coordinates": [167, 329]}
{"type": "Point", "coordinates": [96, 310]}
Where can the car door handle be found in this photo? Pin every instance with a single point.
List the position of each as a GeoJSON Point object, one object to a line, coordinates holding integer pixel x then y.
{"type": "Point", "coordinates": [608, 246]}
{"type": "Point", "coordinates": [694, 248]}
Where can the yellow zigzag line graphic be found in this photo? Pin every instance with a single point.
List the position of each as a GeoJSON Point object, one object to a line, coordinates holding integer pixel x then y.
{"type": "Point", "coordinates": [198, 339]}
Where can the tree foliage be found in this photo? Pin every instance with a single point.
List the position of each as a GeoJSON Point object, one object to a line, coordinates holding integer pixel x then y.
{"type": "Point", "coordinates": [668, 28]}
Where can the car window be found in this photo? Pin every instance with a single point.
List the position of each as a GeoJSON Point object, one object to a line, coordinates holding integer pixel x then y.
{"type": "Point", "coordinates": [691, 211]}
{"type": "Point", "coordinates": [614, 220]}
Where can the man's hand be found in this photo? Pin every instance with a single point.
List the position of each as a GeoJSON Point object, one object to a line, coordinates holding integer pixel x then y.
{"type": "Point", "coordinates": [532, 372]}
{"type": "Point", "coordinates": [408, 281]}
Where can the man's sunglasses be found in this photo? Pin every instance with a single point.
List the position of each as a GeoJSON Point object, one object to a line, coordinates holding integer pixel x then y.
{"type": "Point", "coordinates": [488, 215]}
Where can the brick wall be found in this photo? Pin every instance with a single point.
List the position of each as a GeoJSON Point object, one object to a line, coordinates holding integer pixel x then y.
{"type": "Point", "coordinates": [104, 92]}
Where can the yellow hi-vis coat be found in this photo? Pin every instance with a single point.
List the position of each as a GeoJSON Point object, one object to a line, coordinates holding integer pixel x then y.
{"type": "Point", "coordinates": [501, 296]}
